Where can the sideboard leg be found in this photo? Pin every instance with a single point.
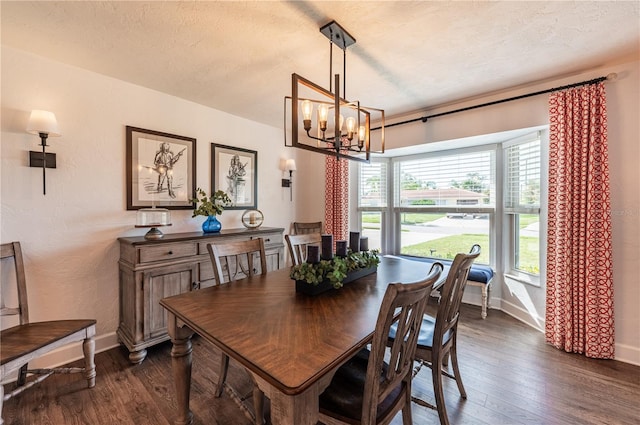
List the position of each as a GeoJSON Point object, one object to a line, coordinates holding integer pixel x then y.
{"type": "Point", "coordinates": [136, 357]}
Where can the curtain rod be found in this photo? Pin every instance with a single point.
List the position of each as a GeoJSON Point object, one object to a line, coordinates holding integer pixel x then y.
{"type": "Point", "coordinates": [610, 77]}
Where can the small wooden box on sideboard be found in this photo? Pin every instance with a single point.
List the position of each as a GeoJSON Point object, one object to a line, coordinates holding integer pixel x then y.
{"type": "Point", "coordinates": [154, 269]}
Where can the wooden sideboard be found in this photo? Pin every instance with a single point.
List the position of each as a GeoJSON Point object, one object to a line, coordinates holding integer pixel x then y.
{"type": "Point", "coordinates": [154, 269]}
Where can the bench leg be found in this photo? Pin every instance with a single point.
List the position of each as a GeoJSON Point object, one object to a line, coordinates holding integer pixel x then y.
{"type": "Point", "coordinates": [485, 300]}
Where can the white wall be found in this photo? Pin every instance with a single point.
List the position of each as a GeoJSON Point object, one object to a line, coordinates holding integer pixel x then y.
{"type": "Point", "coordinates": [525, 301]}
{"type": "Point", "coordinates": [69, 236]}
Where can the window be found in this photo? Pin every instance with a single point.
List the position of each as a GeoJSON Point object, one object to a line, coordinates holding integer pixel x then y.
{"type": "Point", "coordinates": [444, 202]}
{"type": "Point", "coordinates": [439, 203]}
{"type": "Point", "coordinates": [522, 205]}
{"type": "Point", "coordinates": [372, 201]}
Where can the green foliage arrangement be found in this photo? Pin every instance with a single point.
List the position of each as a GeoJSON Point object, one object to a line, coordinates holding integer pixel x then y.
{"type": "Point", "coordinates": [334, 270]}
{"type": "Point", "coordinates": [210, 206]}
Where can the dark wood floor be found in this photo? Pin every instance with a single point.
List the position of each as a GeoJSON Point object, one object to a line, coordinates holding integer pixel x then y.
{"type": "Point", "coordinates": [511, 377]}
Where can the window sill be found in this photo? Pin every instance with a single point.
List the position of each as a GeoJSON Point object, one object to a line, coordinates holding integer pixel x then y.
{"type": "Point", "coordinates": [524, 278]}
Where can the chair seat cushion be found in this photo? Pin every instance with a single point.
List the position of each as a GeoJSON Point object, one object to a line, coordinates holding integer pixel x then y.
{"type": "Point", "coordinates": [425, 337]}
{"type": "Point", "coordinates": [24, 339]}
{"type": "Point", "coordinates": [480, 273]}
{"type": "Point", "coordinates": [344, 396]}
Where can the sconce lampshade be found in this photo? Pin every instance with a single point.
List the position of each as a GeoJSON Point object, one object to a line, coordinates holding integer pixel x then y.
{"type": "Point", "coordinates": [43, 122]}
{"type": "Point", "coordinates": [290, 165]}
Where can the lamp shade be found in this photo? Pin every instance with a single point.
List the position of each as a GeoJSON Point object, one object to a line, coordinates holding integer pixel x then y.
{"type": "Point", "coordinates": [290, 165]}
{"type": "Point", "coordinates": [43, 122]}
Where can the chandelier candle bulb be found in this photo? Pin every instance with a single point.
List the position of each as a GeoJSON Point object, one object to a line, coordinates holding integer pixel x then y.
{"type": "Point", "coordinates": [313, 254]}
{"type": "Point", "coordinates": [307, 110]}
{"type": "Point", "coordinates": [364, 243]}
{"type": "Point", "coordinates": [341, 248]}
{"type": "Point", "coordinates": [327, 247]}
{"type": "Point", "coordinates": [354, 241]}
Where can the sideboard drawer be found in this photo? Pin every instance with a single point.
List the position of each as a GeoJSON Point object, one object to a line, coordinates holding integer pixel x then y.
{"type": "Point", "coordinates": [149, 254]}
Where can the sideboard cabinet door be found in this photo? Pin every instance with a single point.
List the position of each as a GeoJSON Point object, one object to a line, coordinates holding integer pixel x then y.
{"type": "Point", "coordinates": [161, 283]}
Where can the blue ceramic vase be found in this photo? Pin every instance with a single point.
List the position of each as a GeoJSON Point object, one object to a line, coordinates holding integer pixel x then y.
{"type": "Point", "coordinates": [211, 225]}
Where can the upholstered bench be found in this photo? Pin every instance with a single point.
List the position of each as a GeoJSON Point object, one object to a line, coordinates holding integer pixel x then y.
{"type": "Point", "coordinates": [480, 275]}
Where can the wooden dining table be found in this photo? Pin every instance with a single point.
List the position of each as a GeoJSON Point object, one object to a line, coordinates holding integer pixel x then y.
{"type": "Point", "coordinates": [290, 343]}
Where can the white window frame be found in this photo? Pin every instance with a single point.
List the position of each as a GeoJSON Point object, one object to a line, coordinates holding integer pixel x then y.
{"type": "Point", "coordinates": [510, 214]}
{"type": "Point", "coordinates": [500, 230]}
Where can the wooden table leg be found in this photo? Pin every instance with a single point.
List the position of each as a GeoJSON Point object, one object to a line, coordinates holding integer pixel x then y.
{"type": "Point", "coordinates": [299, 409]}
{"type": "Point", "coordinates": [181, 364]}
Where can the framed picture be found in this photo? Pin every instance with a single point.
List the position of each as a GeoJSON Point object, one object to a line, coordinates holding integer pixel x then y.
{"type": "Point", "coordinates": [235, 171]}
{"type": "Point", "coordinates": [161, 170]}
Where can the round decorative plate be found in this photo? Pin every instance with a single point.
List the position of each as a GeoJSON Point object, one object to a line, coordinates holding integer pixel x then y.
{"type": "Point", "coordinates": [252, 219]}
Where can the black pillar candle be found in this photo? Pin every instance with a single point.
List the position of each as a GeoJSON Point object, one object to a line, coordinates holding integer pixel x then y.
{"type": "Point", "coordinates": [364, 243]}
{"type": "Point", "coordinates": [341, 248]}
{"type": "Point", "coordinates": [354, 241]}
{"type": "Point", "coordinates": [313, 254]}
{"type": "Point", "coordinates": [327, 247]}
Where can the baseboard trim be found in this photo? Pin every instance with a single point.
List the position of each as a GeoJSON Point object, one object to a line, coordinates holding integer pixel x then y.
{"type": "Point", "coordinates": [624, 353]}
{"type": "Point", "coordinates": [628, 354]}
{"type": "Point", "coordinates": [522, 315]}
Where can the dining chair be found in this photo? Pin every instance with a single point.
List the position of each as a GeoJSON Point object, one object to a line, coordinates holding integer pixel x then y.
{"type": "Point", "coordinates": [27, 341]}
{"type": "Point", "coordinates": [300, 228]}
{"type": "Point", "coordinates": [367, 390]}
{"type": "Point", "coordinates": [297, 245]}
{"type": "Point", "coordinates": [437, 341]}
{"type": "Point", "coordinates": [237, 260]}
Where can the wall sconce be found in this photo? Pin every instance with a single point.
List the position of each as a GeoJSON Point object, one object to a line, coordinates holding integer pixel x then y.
{"type": "Point", "coordinates": [44, 124]}
{"type": "Point", "coordinates": [289, 166]}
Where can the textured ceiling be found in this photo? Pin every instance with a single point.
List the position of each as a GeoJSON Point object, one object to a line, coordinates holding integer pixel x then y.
{"type": "Point", "coordinates": [239, 56]}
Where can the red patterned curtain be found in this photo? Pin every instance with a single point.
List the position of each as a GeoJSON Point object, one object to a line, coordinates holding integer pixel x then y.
{"type": "Point", "coordinates": [336, 195]}
{"type": "Point", "coordinates": [579, 312]}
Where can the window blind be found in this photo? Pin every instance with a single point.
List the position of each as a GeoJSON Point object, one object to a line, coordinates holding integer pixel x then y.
{"type": "Point", "coordinates": [373, 185]}
{"type": "Point", "coordinates": [457, 179]}
{"type": "Point", "coordinates": [522, 191]}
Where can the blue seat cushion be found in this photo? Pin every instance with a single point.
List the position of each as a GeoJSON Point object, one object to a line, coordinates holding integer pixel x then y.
{"type": "Point", "coordinates": [425, 338]}
{"type": "Point", "coordinates": [478, 273]}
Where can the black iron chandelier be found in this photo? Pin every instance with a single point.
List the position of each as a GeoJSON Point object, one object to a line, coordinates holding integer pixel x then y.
{"type": "Point", "coordinates": [319, 116]}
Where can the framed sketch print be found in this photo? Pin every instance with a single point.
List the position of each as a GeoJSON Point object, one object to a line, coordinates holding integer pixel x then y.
{"type": "Point", "coordinates": [161, 169]}
{"type": "Point", "coordinates": [235, 171]}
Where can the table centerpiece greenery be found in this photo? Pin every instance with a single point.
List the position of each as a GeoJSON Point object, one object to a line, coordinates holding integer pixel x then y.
{"type": "Point", "coordinates": [336, 269]}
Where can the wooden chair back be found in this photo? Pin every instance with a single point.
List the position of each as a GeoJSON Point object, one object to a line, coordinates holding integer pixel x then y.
{"type": "Point", "coordinates": [13, 252]}
{"type": "Point", "coordinates": [297, 245]}
{"type": "Point", "coordinates": [27, 341]}
{"type": "Point", "coordinates": [403, 306]}
{"type": "Point", "coordinates": [452, 291]}
{"type": "Point", "coordinates": [300, 228]}
{"type": "Point", "coordinates": [237, 259]}
{"type": "Point", "coordinates": [436, 351]}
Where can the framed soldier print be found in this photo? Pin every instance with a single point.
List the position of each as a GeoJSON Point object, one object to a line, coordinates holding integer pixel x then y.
{"type": "Point", "coordinates": [161, 169]}
{"type": "Point", "coordinates": [235, 171]}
